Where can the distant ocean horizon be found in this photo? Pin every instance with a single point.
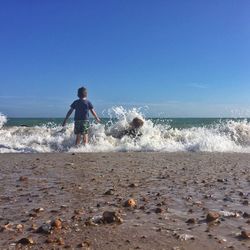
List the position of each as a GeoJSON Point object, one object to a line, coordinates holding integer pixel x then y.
{"type": "Point", "coordinates": [176, 122]}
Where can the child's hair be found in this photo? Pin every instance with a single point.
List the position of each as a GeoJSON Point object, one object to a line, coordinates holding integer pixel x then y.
{"type": "Point", "coordinates": [82, 92]}
{"type": "Point", "coordinates": [137, 122]}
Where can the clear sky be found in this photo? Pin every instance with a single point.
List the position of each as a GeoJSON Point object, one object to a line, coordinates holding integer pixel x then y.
{"type": "Point", "coordinates": [180, 58]}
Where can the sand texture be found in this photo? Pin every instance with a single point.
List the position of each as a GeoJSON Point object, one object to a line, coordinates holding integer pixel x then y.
{"type": "Point", "coordinates": [58, 200]}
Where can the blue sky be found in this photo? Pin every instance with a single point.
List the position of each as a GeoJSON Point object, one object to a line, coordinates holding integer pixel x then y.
{"type": "Point", "coordinates": [180, 58]}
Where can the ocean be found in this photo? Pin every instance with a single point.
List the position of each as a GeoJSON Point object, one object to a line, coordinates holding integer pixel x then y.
{"type": "Point", "coordinates": [36, 135]}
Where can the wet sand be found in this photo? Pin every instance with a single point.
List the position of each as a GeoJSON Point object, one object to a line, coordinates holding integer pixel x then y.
{"type": "Point", "coordinates": [169, 189]}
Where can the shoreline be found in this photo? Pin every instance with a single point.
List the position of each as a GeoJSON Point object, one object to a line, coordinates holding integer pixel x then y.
{"type": "Point", "coordinates": [169, 189]}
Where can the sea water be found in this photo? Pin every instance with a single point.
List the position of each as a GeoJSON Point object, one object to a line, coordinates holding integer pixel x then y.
{"type": "Point", "coordinates": [34, 135]}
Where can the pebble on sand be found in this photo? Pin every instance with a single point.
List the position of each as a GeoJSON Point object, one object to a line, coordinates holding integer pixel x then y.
{"type": "Point", "coordinates": [78, 211]}
{"type": "Point", "coordinates": [158, 210]}
{"type": "Point", "coordinates": [245, 202]}
{"type": "Point", "coordinates": [38, 210]}
{"type": "Point", "coordinates": [107, 217]}
{"type": "Point", "coordinates": [246, 215]}
{"type": "Point", "coordinates": [23, 178]}
{"type": "Point", "coordinates": [130, 203]}
{"type": "Point", "coordinates": [110, 217]}
{"type": "Point", "coordinates": [57, 223]}
{"type": "Point", "coordinates": [44, 229]}
{"type": "Point", "coordinates": [84, 244]}
{"type": "Point", "coordinates": [53, 239]}
{"type": "Point", "coordinates": [133, 185]}
{"type": "Point", "coordinates": [191, 221]}
{"type": "Point", "coordinates": [245, 234]}
{"type": "Point", "coordinates": [184, 237]}
{"type": "Point", "coordinates": [212, 216]}
{"type": "Point", "coordinates": [26, 241]}
{"type": "Point", "coordinates": [19, 227]}
{"type": "Point", "coordinates": [60, 241]}
{"type": "Point", "coordinates": [6, 227]}
{"type": "Point", "coordinates": [109, 192]}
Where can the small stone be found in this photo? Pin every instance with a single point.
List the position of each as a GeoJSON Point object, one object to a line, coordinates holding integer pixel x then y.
{"type": "Point", "coordinates": [133, 185]}
{"type": "Point", "coordinates": [220, 180]}
{"type": "Point", "coordinates": [145, 199]}
{"type": "Point", "coordinates": [7, 227]}
{"type": "Point", "coordinates": [245, 202]}
{"type": "Point", "coordinates": [54, 211]}
{"type": "Point", "coordinates": [50, 240]}
{"type": "Point", "coordinates": [19, 227]}
{"type": "Point", "coordinates": [222, 240]}
{"type": "Point", "coordinates": [80, 245]}
{"type": "Point", "coordinates": [227, 199]}
{"type": "Point", "coordinates": [60, 241]}
{"type": "Point", "coordinates": [38, 210]}
{"type": "Point", "coordinates": [109, 192]}
{"type": "Point", "coordinates": [245, 234]}
{"type": "Point", "coordinates": [246, 215]}
{"type": "Point", "coordinates": [191, 221]}
{"type": "Point", "coordinates": [176, 248]}
{"type": "Point", "coordinates": [212, 216]}
{"type": "Point", "coordinates": [184, 237]}
{"type": "Point", "coordinates": [33, 215]}
{"type": "Point", "coordinates": [57, 223]}
{"type": "Point", "coordinates": [158, 210]}
{"type": "Point", "coordinates": [44, 229]}
{"type": "Point", "coordinates": [93, 221]}
{"type": "Point", "coordinates": [110, 217]}
{"type": "Point", "coordinates": [130, 203]}
{"type": "Point", "coordinates": [78, 211]}
{"type": "Point", "coordinates": [84, 244]}
{"type": "Point", "coordinates": [26, 241]}
{"type": "Point", "coordinates": [23, 178]}
{"type": "Point", "coordinates": [33, 227]}
{"type": "Point", "coordinates": [69, 164]}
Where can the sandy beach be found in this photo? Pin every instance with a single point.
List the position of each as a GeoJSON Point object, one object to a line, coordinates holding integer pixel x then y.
{"type": "Point", "coordinates": [58, 200]}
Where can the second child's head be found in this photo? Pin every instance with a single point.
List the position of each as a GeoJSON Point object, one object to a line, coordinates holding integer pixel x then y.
{"type": "Point", "coordinates": [137, 123]}
{"type": "Point", "coordinates": [82, 92]}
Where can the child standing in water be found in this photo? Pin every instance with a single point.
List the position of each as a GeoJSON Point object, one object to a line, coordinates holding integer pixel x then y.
{"type": "Point", "coordinates": [82, 106]}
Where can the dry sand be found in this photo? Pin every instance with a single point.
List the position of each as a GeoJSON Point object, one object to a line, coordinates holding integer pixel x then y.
{"type": "Point", "coordinates": [169, 189]}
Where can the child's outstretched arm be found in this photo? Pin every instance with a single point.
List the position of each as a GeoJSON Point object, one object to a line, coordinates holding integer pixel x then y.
{"type": "Point", "coordinates": [67, 116]}
{"type": "Point", "coordinates": [95, 115]}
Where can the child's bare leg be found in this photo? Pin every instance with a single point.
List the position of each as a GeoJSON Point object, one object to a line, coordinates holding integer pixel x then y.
{"type": "Point", "coordinates": [78, 139]}
{"type": "Point", "coordinates": [85, 139]}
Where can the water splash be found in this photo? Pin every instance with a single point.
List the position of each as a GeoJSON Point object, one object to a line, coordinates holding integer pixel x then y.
{"type": "Point", "coordinates": [3, 120]}
{"type": "Point", "coordinates": [223, 136]}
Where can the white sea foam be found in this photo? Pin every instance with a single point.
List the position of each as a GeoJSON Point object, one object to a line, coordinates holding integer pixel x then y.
{"type": "Point", "coordinates": [229, 136]}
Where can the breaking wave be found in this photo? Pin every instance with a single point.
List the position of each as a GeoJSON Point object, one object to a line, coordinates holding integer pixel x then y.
{"type": "Point", "coordinates": [224, 136]}
{"type": "Point", "coordinates": [3, 120]}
